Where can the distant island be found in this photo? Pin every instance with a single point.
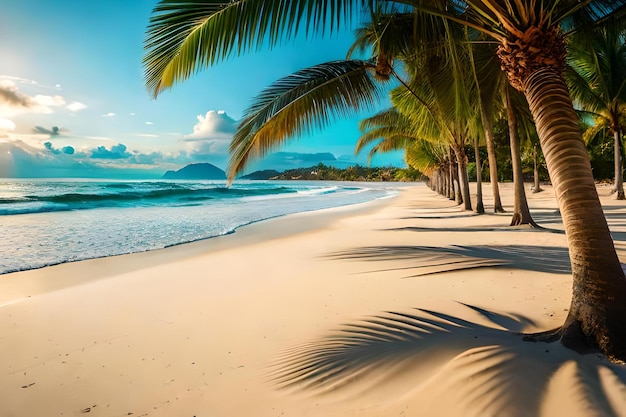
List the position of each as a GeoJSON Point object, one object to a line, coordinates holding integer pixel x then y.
{"type": "Point", "coordinates": [266, 174]}
{"type": "Point", "coordinates": [202, 171]}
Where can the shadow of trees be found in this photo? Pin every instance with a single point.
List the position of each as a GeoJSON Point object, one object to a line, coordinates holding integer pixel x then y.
{"type": "Point", "coordinates": [484, 370]}
{"type": "Point", "coordinates": [516, 229]}
{"type": "Point", "coordinates": [427, 260]}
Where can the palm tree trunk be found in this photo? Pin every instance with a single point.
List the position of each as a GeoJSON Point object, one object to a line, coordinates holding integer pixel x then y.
{"type": "Point", "coordinates": [493, 163]}
{"type": "Point", "coordinates": [441, 181]}
{"type": "Point", "coordinates": [521, 212]}
{"type": "Point", "coordinates": [537, 186]}
{"type": "Point", "coordinates": [597, 315]}
{"type": "Point", "coordinates": [480, 207]}
{"type": "Point", "coordinates": [461, 160]}
{"type": "Point", "coordinates": [451, 168]}
{"type": "Point", "coordinates": [454, 168]}
{"type": "Point", "coordinates": [619, 174]}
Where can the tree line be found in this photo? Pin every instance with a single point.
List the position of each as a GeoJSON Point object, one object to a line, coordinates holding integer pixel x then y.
{"type": "Point", "coordinates": [323, 172]}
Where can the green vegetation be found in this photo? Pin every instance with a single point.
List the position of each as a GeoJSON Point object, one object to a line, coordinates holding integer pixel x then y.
{"type": "Point", "coordinates": [353, 173]}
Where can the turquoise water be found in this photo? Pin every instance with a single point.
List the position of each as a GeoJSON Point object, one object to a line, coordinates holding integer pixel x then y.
{"type": "Point", "coordinates": [47, 222]}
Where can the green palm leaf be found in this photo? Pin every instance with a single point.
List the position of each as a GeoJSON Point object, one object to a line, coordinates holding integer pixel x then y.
{"type": "Point", "coordinates": [424, 158]}
{"type": "Point", "coordinates": [386, 136]}
{"type": "Point", "coordinates": [296, 104]}
{"type": "Point", "coordinates": [597, 74]}
{"type": "Point", "coordinates": [390, 130]}
{"type": "Point", "coordinates": [185, 36]}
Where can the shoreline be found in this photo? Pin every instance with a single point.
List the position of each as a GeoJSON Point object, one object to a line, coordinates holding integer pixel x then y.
{"type": "Point", "coordinates": [41, 239]}
{"type": "Point", "coordinates": [217, 329]}
{"type": "Point", "coordinates": [61, 274]}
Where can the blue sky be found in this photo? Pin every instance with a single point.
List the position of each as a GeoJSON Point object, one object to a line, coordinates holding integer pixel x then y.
{"type": "Point", "coordinates": [73, 101]}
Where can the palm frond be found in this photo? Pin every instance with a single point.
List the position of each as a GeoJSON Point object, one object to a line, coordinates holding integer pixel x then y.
{"type": "Point", "coordinates": [425, 157]}
{"type": "Point", "coordinates": [297, 104]}
{"type": "Point", "coordinates": [185, 36]}
{"type": "Point", "coordinates": [597, 71]}
{"type": "Point", "coordinates": [598, 130]}
{"type": "Point", "coordinates": [582, 91]}
{"type": "Point", "coordinates": [390, 130]}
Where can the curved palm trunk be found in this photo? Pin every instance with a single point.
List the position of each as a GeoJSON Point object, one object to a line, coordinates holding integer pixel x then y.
{"type": "Point", "coordinates": [521, 212]}
{"type": "Point", "coordinates": [619, 173]}
{"type": "Point", "coordinates": [597, 316]}
{"type": "Point", "coordinates": [461, 160]}
{"type": "Point", "coordinates": [480, 207]}
{"type": "Point", "coordinates": [493, 163]}
{"type": "Point", "coordinates": [537, 185]}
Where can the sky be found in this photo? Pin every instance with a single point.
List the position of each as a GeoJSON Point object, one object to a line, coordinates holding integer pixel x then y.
{"type": "Point", "coordinates": [73, 101]}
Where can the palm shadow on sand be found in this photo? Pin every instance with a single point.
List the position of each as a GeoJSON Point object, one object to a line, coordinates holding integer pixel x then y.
{"type": "Point", "coordinates": [516, 229]}
{"type": "Point", "coordinates": [427, 260]}
{"type": "Point", "coordinates": [478, 369]}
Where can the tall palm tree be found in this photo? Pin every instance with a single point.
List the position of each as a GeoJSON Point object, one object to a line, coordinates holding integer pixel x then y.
{"type": "Point", "coordinates": [190, 34]}
{"type": "Point", "coordinates": [488, 80]}
{"type": "Point", "coordinates": [491, 82]}
{"type": "Point", "coordinates": [438, 100]}
{"type": "Point", "coordinates": [393, 36]}
{"type": "Point", "coordinates": [529, 141]}
{"type": "Point", "coordinates": [440, 111]}
{"type": "Point", "coordinates": [597, 81]}
{"type": "Point", "coordinates": [521, 211]}
{"type": "Point", "coordinates": [431, 59]}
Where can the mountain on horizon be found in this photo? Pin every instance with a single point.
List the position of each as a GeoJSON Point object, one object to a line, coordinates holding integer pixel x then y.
{"type": "Point", "coordinates": [200, 171]}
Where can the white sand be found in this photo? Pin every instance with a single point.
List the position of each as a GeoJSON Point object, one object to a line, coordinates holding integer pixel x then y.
{"type": "Point", "coordinates": [249, 324]}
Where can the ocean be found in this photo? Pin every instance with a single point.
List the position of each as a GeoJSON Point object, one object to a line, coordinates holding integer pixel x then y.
{"type": "Point", "coordinates": [47, 222]}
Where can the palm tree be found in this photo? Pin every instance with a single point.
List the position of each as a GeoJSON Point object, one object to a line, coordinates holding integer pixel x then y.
{"type": "Point", "coordinates": [431, 59]}
{"type": "Point", "coordinates": [529, 141]}
{"type": "Point", "coordinates": [190, 34]}
{"type": "Point", "coordinates": [533, 55]}
{"type": "Point", "coordinates": [488, 80]}
{"type": "Point", "coordinates": [521, 211]}
{"type": "Point", "coordinates": [597, 81]}
{"type": "Point", "coordinates": [437, 100]}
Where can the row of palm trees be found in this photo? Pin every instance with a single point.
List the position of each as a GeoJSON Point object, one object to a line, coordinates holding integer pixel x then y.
{"type": "Point", "coordinates": [447, 60]}
{"type": "Point", "coordinates": [596, 74]}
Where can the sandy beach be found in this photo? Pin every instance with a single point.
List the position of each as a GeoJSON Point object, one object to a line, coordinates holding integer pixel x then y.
{"type": "Point", "coordinates": [400, 307]}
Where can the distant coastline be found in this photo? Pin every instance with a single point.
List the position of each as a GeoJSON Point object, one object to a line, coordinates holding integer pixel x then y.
{"type": "Point", "coordinates": [319, 172]}
{"type": "Point", "coordinates": [323, 172]}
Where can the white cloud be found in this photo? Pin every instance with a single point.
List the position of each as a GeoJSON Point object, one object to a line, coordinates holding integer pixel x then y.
{"type": "Point", "coordinates": [103, 138]}
{"type": "Point", "coordinates": [6, 125]}
{"type": "Point", "coordinates": [214, 125]}
{"type": "Point", "coordinates": [13, 101]}
{"type": "Point", "coordinates": [149, 123]}
{"type": "Point", "coordinates": [211, 135]}
{"type": "Point", "coordinates": [132, 114]}
{"type": "Point", "coordinates": [49, 101]}
{"type": "Point", "coordinates": [108, 115]}
{"type": "Point", "coordinates": [76, 106]}
{"type": "Point", "coordinates": [18, 79]}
